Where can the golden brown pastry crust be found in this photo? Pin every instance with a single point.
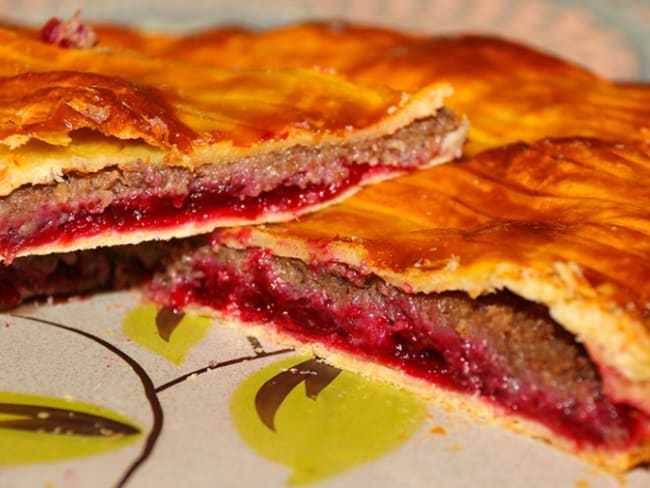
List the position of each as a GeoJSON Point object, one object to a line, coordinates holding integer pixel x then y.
{"type": "Point", "coordinates": [509, 92]}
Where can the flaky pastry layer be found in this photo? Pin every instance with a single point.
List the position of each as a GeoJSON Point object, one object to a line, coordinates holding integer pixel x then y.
{"type": "Point", "coordinates": [169, 113]}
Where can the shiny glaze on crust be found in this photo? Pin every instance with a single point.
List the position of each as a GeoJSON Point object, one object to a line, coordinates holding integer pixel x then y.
{"type": "Point", "coordinates": [174, 103]}
{"type": "Point", "coordinates": [509, 92]}
{"type": "Point", "coordinates": [56, 102]}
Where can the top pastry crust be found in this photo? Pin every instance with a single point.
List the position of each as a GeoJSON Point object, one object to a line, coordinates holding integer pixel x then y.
{"type": "Point", "coordinates": [182, 115]}
{"type": "Point", "coordinates": [509, 92]}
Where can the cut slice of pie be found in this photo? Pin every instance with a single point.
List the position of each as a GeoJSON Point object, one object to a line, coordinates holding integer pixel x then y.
{"type": "Point", "coordinates": [515, 284]}
{"type": "Point", "coordinates": [105, 148]}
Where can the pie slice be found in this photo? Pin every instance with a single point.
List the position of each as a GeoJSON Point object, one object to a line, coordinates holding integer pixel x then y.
{"type": "Point", "coordinates": [514, 284]}
{"type": "Point", "coordinates": [105, 148]}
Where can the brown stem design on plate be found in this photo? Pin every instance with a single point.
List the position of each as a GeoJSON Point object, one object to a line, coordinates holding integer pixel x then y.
{"type": "Point", "coordinates": [52, 420]}
{"type": "Point", "coordinates": [152, 392]}
{"type": "Point", "coordinates": [220, 365]}
{"type": "Point", "coordinates": [147, 385]}
{"type": "Point", "coordinates": [314, 372]}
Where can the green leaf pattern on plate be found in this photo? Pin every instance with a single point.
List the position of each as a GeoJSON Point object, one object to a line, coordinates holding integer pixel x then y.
{"type": "Point", "coordinates": [167, 334]}
{"type": "Point", "coordinates": [326, 428]}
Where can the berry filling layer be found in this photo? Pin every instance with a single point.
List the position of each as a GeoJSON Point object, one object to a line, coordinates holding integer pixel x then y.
{"type": "Point", "coordinates": [500, 347]}
{"type": "Point", "coordinates": [67, 223]}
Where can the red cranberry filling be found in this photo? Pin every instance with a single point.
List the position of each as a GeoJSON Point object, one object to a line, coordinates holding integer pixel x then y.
{"type": "Point", "coordinates": [142, 210]}
{"type": "Point", "coordinates": [420, 334]}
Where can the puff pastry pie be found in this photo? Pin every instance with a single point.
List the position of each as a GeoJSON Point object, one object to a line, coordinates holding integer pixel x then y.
{"type": "Point", "coordinates": [99, 147]}
{"type": "Point", "coordinates": [513, 283]}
